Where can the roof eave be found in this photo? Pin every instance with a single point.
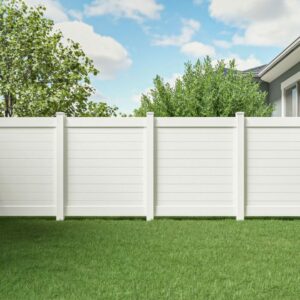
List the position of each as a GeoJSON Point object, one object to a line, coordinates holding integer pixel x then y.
{"type": "Point", "coordinates": [295, 44]}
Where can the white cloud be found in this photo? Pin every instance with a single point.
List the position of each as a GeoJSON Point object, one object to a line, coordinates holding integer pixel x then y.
{"type": "Point", "coordinates": [246, 63]}
{"type": "Point", "coordinates": [132, 9]}
{"type": "Point", "coordinates": [76, 14]}
{"type": "Point", "coordinates": [197, 49]}
{"type": "Point", "coordinates": [184, 40]}
{"type": "Point", "coordinates": [242, 63]}
{"type": "Point", "coordinates": [222, 44]}
{"type": "Point", "coordinates": [54, 10]}
{"type": "Point", "coordinates": [263, 22]}
{"type": "Point", "coordinates": [188, 29]}
{"type": "Point", "coordinates": [241, 12]}
{"type": "Point", "coordinates": [108, 54]}
{"type": "Point", "coordinates": [198, 2]}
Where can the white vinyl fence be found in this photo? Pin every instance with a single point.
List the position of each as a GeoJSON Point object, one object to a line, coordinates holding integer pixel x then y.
{"type": "Point", "coordinates": [150, 166]}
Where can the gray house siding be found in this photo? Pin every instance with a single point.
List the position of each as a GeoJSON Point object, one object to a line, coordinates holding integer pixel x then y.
{"type": "Point", "coordinates": [264, 86]}
{"type": "Point", "coordinates": [275, 89]}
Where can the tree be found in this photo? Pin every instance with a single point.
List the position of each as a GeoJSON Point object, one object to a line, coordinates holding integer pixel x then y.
{"type": "Point", "coordinates": [206, 90]}
{"type": "Point", "coordinates": [39, 73]}
{"type": "Point", "coordinates": [100, 109]}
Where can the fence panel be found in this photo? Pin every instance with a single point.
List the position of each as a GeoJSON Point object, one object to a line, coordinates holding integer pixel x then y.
{"type": "Point", "coordinates": [273, 167]}
{"type": "Point", "coordinates": [104, 168]}
{"type": "Point", "coordinates": [194, 169]}
{"type": "Point", "coordinates": [27, 167]}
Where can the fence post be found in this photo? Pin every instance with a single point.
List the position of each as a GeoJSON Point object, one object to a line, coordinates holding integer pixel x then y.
{"type": "Point", "coordinates": [149, 181]}
{"type": "Point", "coordinates": [60, 148]}
{"type": "Point", "coordinates": [240, 166]}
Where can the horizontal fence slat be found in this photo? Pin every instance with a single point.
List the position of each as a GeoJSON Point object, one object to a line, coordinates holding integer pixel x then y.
{"type": "Point", "coordinates": [189, 154]}
{"type": "Point", "coordinates": [100, 138]}
{"type": "Point", "coordinates": [273, 163]}
{"type": "Point", "coordinates": [273, 211]}
{"type": "Point", "coordinates": [11, 188]}
{"type": "Point", "coordinates": [118, 179]}
{"type": "Point", "coordinates": [106, 188]}
{"type": "Point", "coordinates": [286, 180]}
{"type": "Point", "coordinates": [273, 196]}
{"type": "Point", "coordinates": [27, 122]}
{"type": "Point", "coordinates": [105, 122]}
{"type": "Point", "coordinates": [26, 163]}
{"type": "Point", "coordinates": [27, 197]}
{"type": "Point", "coordinates": [195, 211]}
{"type": "Point", "coordinates": [195, 122]}
{"type": "Point", "coordinates": [176, 197]}
{"type": "Point", "coordinates": [110, 211]}
{"type": "Point", "coordinates": [205, 188]}
{"type": "Point", "coordinates": [274, 154]}
{"type": "Point", "coordinates": [274, 171]}
{"type": "Point", "coordinates": [105, 171]}
{"type": "Point", "coordinates": [110, 146]}
{"type": "Point", "coordinates": [105, 154]}
{"type": "Point", "coordinates": [27, 211]}
{"type": "Point", "coordinates": [208, 171]}
{"type": "Point", "coordinates": [27, 154]}
{"type": "Point", "coordinates": [196, 146]}
{"type": "Point", "coordinates": [270, 146]}
{"type": "Point", "coordinates": [201, 132]}
{"type": "Point", "coordinates": [105, 196]}
{"type": "Point", "coordinates": [272, 122]}
{"type": "Point", "coordinates": [194, 163]}
{"type": "Point", "coordinates": [99, 163]}
{"type": "Point", "coordinates": [192, 180]}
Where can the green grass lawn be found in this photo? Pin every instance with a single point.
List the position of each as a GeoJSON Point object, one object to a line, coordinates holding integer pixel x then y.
{"type": "Point", "coordinates": [162, 259]}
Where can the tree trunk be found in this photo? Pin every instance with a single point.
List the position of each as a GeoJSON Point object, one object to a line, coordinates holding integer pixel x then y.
{"type": "Point", "coordinates": [8, 105]}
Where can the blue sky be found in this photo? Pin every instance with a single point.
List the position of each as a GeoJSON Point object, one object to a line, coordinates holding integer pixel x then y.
{"type": "Point", "coordinates": [133, 40]}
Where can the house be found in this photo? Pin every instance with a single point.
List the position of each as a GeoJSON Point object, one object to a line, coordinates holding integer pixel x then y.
{"type": "Point", "coordinates": [281, 79]}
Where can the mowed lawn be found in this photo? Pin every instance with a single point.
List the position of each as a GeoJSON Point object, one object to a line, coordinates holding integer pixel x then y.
{"type": "Point", "coordinates": [162, 259]}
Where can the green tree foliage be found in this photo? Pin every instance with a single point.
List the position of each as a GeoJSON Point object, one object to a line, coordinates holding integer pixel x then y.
{"type": "Point", "coordinates": [100, 109]}
{"type": "Point", "coordinates": [39, 74]}
{"type": "Point", "coordinates": [206, 90]}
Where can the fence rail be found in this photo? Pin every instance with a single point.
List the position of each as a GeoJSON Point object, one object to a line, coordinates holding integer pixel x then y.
{"type": "Point", "coordinates": [150, 166]}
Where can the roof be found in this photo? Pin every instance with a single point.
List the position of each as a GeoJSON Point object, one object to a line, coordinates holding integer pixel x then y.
{"type": "Point", "coordinates": [255, 71]}
{"type": "Point", "coordinates": [282, 62]}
